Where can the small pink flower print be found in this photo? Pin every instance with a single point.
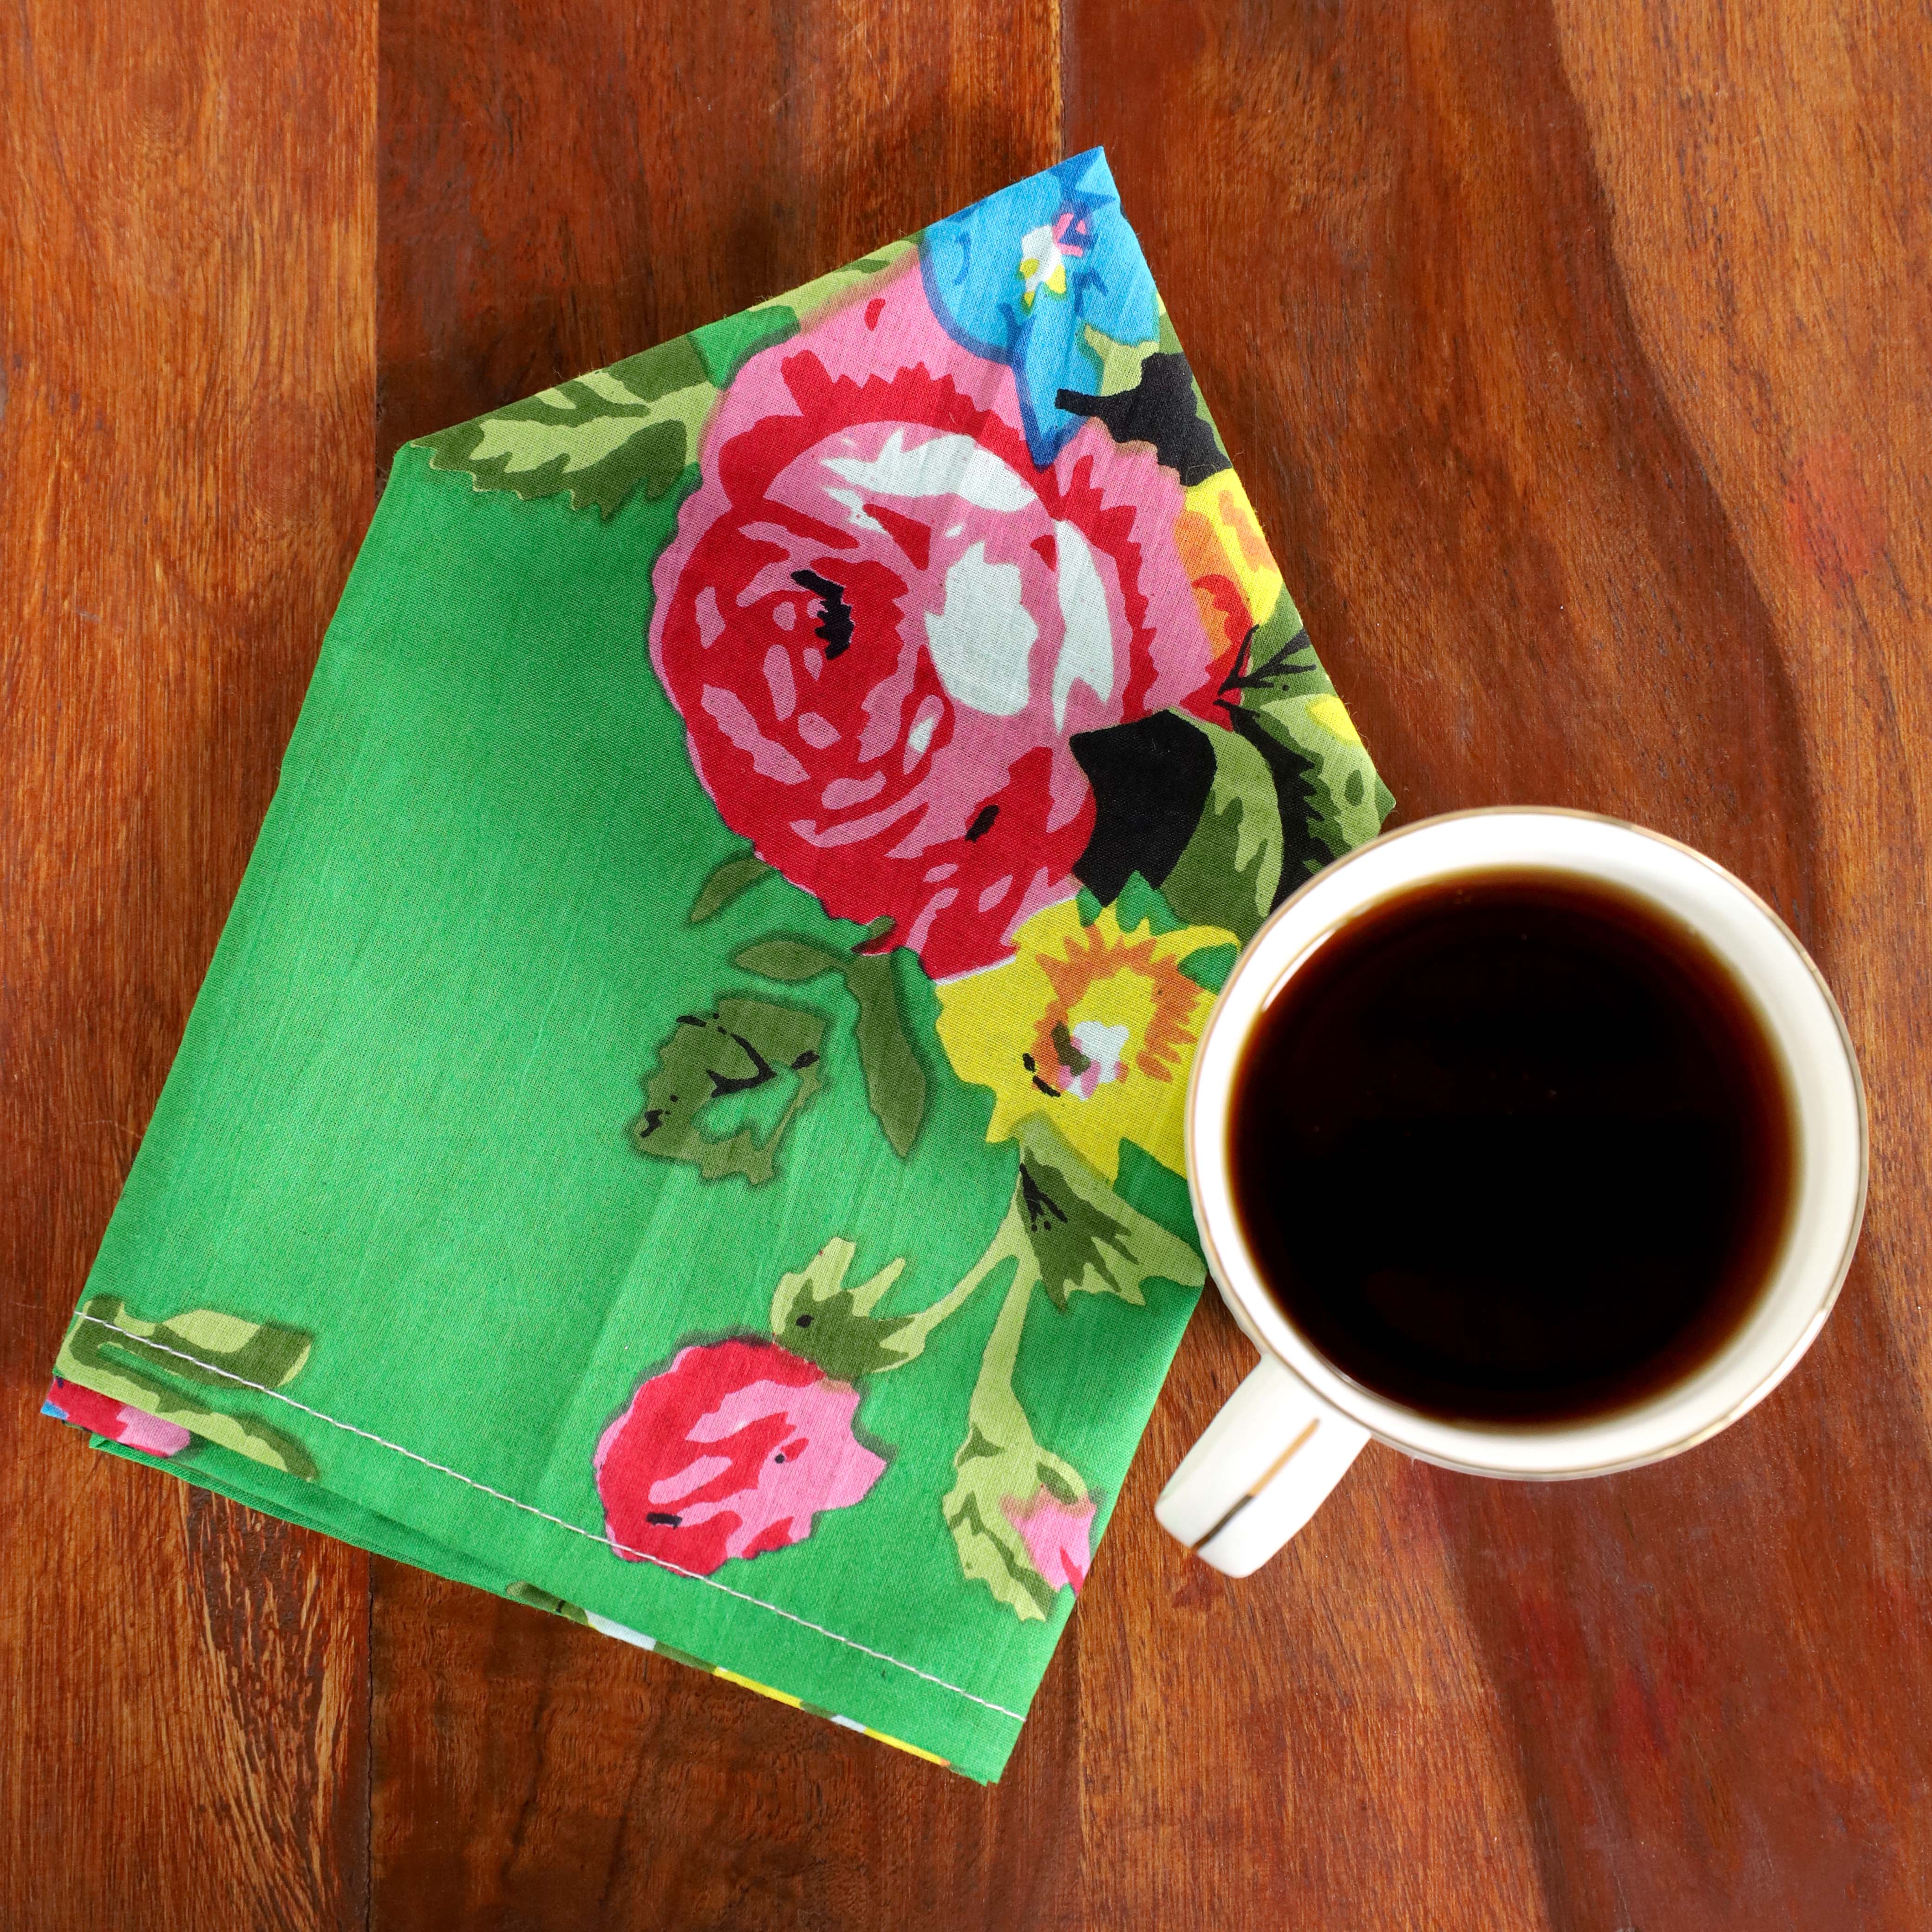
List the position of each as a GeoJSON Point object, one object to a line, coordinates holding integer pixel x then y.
{"type": "Point", "coordinates": [1058, 1537]}
{"type": "Point", "coordinates": [731, 1451]}
{"type": "Point", "coordinates": [884, 624]}
{"type": "Point", "coordinates": [119, 1421]}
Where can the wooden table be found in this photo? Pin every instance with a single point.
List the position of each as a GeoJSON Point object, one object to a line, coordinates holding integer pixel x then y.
{"type": "Point", "coordinates": [1578, 364]}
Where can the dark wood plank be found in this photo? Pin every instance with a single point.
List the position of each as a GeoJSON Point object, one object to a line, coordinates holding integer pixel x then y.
{"type": "Point", "coordinates": [186, 246]}
{"type": "Point", "coordinates": [557, 193]}
{"type": "Point", "coordinates": [1566, 360]}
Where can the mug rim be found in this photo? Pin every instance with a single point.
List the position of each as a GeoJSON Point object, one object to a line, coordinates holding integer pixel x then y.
{"type": "Point", "coordinates": [1267, 1324]}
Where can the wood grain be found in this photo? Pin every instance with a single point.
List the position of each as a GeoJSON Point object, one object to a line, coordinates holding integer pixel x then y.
{"type": "Point", "coordinates": [185, 463]}
{"type": "Point", "coordinates": [1528, 469]}
{"type": "Point", "coordinates": [564, 186]}
{"type": "Point", "coordinates": [1578, 360]}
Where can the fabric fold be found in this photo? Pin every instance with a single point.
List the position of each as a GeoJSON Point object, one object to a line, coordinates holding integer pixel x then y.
{"type": "Point", "coordinates": [682, 1128]}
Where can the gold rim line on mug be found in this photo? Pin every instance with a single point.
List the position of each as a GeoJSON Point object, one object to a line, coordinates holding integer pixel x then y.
{"type": "Point", "coordinates": [1840, 1268]}
{"type": "Point", "coordinates": [1254, 1490]}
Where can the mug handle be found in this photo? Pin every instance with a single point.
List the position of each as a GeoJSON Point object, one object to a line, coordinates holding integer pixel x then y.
{"type": "Point", "coordinates": [1260, 1472]}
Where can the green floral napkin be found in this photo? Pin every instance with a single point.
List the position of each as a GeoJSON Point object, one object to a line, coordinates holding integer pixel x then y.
{"type": "Point", "coordinates": [683, 1126]}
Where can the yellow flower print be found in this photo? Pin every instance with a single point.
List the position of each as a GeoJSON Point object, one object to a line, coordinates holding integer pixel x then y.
{"type": "Point", "coordinates": [1220, 539]}
{"type": "Point", "coordinates": [1095, 1026]}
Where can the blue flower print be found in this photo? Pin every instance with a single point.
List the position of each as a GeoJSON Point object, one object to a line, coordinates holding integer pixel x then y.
{"type": "Point", "coordinates": [1019, 276]}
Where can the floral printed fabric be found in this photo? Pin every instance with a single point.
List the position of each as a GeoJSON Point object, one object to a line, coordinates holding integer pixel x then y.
{"type": "Point", "coordinates": [1108, 1018]}
{"type": "Point", "coordinates": [886, 626]}
{"type": "Point", "coordinates": [154, 1385]}
{"type": "Point", "coordinates": [693, 1086]}
{"type": "Point", "coordinates": [1021, 278]}
{"type": "Point", "coordinates": [975, 639]}
{"type": "Point", "coordinates": [731, 1451]}
{"type": "Point", "coordinates": [119, 1421]}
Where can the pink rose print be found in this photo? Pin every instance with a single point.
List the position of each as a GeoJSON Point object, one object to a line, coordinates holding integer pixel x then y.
{"type": "Point", "coordinates": [731, 1451]}
{"type": "Point", "coordinates": [1057, 1536]}
{"type": "Point", "coordinates": [119, 1421]}
{"type": "Point", "coordinates": [883, 623]}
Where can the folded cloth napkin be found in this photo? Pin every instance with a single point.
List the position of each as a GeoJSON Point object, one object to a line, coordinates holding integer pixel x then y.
{"type": "Point", "coordinates": [683, 1126]}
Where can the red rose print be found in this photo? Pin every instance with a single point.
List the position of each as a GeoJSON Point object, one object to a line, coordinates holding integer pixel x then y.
{"type": "Point", "coordinates": [882, 622]}
{"type": "Point", "coordinates": [119, 1421]}
{"type": "Point", "coordinates": [731, 1451]}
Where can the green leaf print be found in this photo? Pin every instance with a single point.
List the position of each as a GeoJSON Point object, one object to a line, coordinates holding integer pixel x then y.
{"type": "Point", "coordinates": [1083, 1238]}
{"type": "Point", "coordinates": [727, 881]}
{"type": "Point", "coordinates": [742, 1047]}
{"type": "Point", "coordinates": [635, 424]}
{"type": "Point", "coordinates": [542, 1600]}
{"type": "Point", "coordinates": [1021, 1516]}
{"type": "Point", "coordinates": [1119, 361]}
{"type": "Point", "coordinates": [599, 436]}
{"type": "Point", "coordinates": [895, 1080]}
{"type": "Point", "coordinates": [1227, 872]}
{"type": "Point", "coordinates": [1280, 700]}
{"type": "Point", "coordinates": [1004, 1482]}
{"type": "Point", "coordinates": [815, 1314]}
{"type": "Point", "coordinates": [116, 1353]}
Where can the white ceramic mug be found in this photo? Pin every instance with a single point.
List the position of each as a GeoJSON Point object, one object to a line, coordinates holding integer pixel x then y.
{"type": "Point", "coordinates": [1291, 1430]}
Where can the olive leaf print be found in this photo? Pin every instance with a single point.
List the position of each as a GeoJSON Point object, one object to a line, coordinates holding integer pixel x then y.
{"type": "Point", "coordinates": [1119, 361]}
{"type": "Point", "coordinates": [635, 424]}
{"type": "Point", "coordinates": [745, 1044]}
{"type": "Point", "coordinates": [1280, 700]}
{"type": "Point", "coordinates": [895, 1080]}
{"type": "Point", "coordinates": [727, 879]}
{"type": "Point", "coordinates": [815, 1314]}
{"type": "Point", "coordinates": [1077, 1235]}
{"type": "Point", "coordinates": [1021, 1515]}
{"type": "Point", "coordinates": [742, 1046]}
{"type": "Point", "coordinates": [141, 1365]}
{"type": "Point", "coordinates": [1229, 872]}
{"type": "Point", "coordinates": [520, 1592]}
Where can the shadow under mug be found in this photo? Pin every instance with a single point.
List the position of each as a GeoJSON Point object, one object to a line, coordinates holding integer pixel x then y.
{"type": "Point", "coordinates": [1289, 1432]}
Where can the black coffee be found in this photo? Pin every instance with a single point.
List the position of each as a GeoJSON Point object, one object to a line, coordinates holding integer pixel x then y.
{"type": "Point", "coordinates": [1514, 1148]}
